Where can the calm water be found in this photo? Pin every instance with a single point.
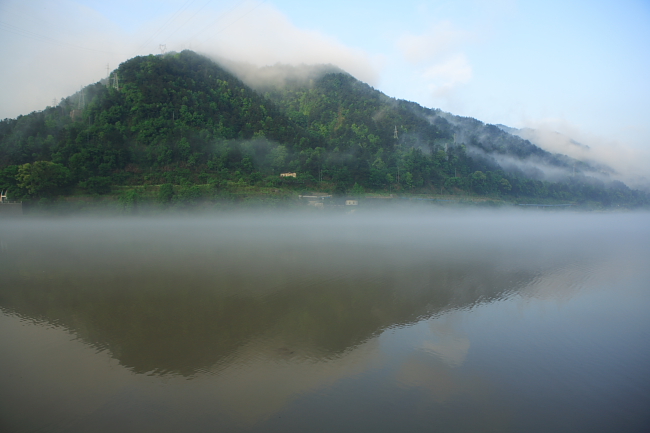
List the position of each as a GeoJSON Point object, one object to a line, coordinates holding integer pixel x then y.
{"type": "Point", "coordinates": [440, 321]}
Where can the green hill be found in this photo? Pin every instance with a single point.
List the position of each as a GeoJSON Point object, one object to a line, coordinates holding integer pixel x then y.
{"type": "Point", "coordinates": [180, 120]}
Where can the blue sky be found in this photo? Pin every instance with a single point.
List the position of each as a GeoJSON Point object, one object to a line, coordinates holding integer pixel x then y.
{"type": "Point", "coordinates": [577, 67]}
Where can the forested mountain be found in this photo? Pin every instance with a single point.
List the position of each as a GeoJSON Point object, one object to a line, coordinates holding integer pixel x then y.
{"type": "Point", "coordinates": [181, 119]}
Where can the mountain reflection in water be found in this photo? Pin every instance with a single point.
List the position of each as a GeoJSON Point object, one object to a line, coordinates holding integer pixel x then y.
{"type": "Point", "coordinates": [276, 307]}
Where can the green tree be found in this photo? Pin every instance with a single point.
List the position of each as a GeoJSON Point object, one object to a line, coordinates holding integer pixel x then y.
{"type": "Point", "coordinates": [8, 179]}
{"type": "Point", "coordinates": [504, 186]}
{"type": "Point", "coordinates": [408, 179]}
{"type": "Point", "coordinates": [97, 185]}
{"type": "Point", "coordinates": [357, 190]}
{"type": "Point", "coordinates": [42, 178]}
{"type": "Point", "coordinates": [184, 149]}
{"type": "Point", "coordinates": [278, 157]}
{"type": "Point", "coordinates": [479, 182]}
{"type": "Point", "coordinates": [166, 193]}
{"type": "Point", "coordinates": [129, 200]}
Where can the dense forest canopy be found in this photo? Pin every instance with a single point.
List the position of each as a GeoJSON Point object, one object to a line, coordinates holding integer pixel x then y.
{"type": "Point", "coordinates": [180, 120]}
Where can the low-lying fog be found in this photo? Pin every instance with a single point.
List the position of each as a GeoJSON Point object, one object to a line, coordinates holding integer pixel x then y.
{"type": "Point", "coordinates": [268, 266]}
{"type": "Point", "coordinates": [323, 299]}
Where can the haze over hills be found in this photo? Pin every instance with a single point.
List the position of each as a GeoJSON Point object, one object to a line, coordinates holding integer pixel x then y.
{"type": "Point", "coordinates": [194, 130]}
{"type": "Point", "coordinates": [608, 164]}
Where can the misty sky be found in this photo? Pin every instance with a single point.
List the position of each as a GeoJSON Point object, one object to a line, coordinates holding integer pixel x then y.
{"type": "Point", "coordinates": [578, 67]}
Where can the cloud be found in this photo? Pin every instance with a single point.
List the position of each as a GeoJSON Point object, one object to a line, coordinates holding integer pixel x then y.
{"type": "Point", "coordinates": [437, 53]}
{"type": "Point", "coordinates": [444, 77]}
{"type": "Point", "coordinates": [267, 37]}
{"type": "Point", "coordinates": [440, 40]}
{"type": "Point", "coordinates": [559, 136]}
{"type": "Point", "coordinates": [56, 47]}
{"type": "Point", "coordinates": [533, 167]}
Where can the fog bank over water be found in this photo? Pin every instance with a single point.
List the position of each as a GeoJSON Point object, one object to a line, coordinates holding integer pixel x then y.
{"type": "Point", "coordinates": [263, 270]}
{"type": "Point", "coordinates": [261, 322]}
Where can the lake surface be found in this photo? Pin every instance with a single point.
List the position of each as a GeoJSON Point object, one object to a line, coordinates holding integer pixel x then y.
{"type": "Point", "coordinates": [432, 321]}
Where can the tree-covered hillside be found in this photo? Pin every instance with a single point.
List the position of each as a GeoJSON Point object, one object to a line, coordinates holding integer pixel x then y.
{"type": "Point", "coordinates": [180, 120]}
